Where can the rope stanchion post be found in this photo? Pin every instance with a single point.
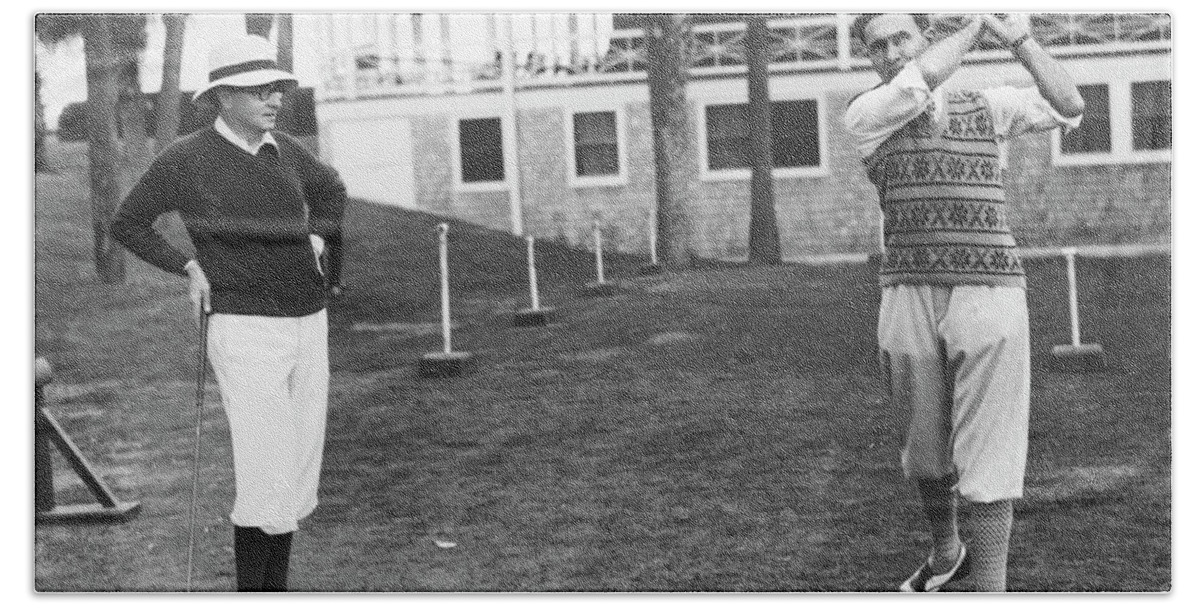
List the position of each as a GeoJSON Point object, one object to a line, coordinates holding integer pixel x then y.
{"type": "Point", "coordinates": [1076, 357]}
{"type": "Point", "coordinates": [600, 287]}
{"type": "Point", "coordinates": [448, 362]}
{"type": "Point", "coordinates": [653, 267]}
{"type": "Point", "coordinates": [535, 315]}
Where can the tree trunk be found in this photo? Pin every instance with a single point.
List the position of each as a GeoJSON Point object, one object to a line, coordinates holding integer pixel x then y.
{"type": "Point", "coordinates": [675, 169]}
{"type": "Point", "coordinates": [284, 41]}
{"type": "Point", "coordinates": [103, 156]}
{"type": "Point", "coordinates": [167, 118]}
{"type": "Point", "coordinates": [288, 120]}
{"type": "Point", "coordinates": [764, 231]}
{"type": "Point", "coordinates": [103, 150]}
{"type": "Point", "coordinates": [131, 116]}
{"type": "Point", "coordinates": [40, 163]}
{"type": "Point", "coordinates": [259, 24]}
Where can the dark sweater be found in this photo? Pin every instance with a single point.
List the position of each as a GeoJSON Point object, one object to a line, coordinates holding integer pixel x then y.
{"type": "Point", "coordinates": [245, 215]}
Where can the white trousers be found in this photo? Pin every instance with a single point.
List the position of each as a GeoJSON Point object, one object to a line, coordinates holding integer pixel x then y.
{"type": "Point", "coordinates": [956, 360]}
{"type": "Point", "coordinates": [274, 378]}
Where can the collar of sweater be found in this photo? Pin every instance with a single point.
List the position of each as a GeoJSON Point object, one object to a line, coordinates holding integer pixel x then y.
{"type": "Point", "coordinates": [227, 132]}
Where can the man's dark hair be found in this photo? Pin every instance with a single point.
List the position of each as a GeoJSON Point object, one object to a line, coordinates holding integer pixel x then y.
{"type": "Point", "coordinates": [859, 26]}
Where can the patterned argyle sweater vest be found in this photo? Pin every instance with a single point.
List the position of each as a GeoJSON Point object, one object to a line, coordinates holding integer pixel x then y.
{"type": "Point", "coordinates": [942, 192]}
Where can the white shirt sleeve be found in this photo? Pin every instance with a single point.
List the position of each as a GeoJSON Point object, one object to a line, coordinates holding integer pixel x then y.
{"type": "Point", "coordinates": [1018, 111]}
{"type": "Point", "coordinates": [876, 114]}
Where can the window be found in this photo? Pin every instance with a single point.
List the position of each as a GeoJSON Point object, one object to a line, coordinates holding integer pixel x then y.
{"type": "Point", "coordinates": [794, 139]}
{"type": "Point", "coordinates": [727, 140]}
{"type": "Point", "coordinates": [795, 135]}
{"type": "Point", "coordinates": [1151, 115]}
{"type": "Point", "coordinates": [594, 144]}
{"type": "Point", "coordinates": [1094, 134]}
{"type": "Point", "coordinates": [1127, 121]}
{"type": "Point", "coordinates": [596, 149]}
{"type": "Point", "coordinates": [481, 150]}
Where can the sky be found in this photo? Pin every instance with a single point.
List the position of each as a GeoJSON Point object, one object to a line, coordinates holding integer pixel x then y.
{"type": "Point", "coordinates": [470, 42]}
{"type": "Point", "coordinates": [62, 66]}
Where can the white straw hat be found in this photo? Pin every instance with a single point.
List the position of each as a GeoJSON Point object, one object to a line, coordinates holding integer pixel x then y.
{"type": "Point", "coordinates": [243, 61]}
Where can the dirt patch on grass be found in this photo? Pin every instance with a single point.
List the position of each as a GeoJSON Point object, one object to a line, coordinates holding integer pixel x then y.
{"type": "Point", "coordinates": [403, 330]}
{"type": "Point", "coordinates": [1081, 483]}
{"type": "Point", "coordinates": [670, 337]}
{"type": "Point", "coordinates": [598, 355]}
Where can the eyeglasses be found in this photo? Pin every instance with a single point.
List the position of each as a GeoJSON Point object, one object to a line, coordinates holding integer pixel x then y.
{"type": "Point", "coordinates": [264, 92]}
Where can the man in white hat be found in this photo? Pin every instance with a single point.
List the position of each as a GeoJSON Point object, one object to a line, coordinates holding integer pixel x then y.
{"type": "Point", "coordinates": [258, 208]}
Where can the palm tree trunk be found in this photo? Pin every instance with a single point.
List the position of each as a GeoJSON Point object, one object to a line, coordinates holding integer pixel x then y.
{"type": "Point", "coordinates": [103, 152]}
{"type": "Point", "coordinates": [764, 231]}
{"type": "Point", "coordinates": [167, 119]}
{"type": "Point", "coordinates": [675, 164]}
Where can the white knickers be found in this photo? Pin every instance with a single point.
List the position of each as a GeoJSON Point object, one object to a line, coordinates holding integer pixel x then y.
{"type": "Point", "coordinates": [274, 378]}
{"type": "Point", "coordinates": [956, 359]}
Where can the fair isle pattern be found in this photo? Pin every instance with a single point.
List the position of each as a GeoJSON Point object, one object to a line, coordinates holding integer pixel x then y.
{"type": "Point", "coordinates": [952, 259]}
{"type": "Point", "coordinates": [941, 188]}
{"type": "Point", "coordinates": [961, 215]}
{"type": "Point", "coordinates": [939, 167]}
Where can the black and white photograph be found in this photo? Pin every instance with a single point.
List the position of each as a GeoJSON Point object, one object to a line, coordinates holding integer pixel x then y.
{"type": "Point", "coordinates": [524, 301]}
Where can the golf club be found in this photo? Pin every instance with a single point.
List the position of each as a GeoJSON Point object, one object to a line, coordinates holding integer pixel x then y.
{"type": "Point", "coordinates": [200, 375]}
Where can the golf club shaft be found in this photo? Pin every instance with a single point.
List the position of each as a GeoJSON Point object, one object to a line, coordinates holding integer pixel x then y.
{"type": "Point", "coordinates": [200, 375]}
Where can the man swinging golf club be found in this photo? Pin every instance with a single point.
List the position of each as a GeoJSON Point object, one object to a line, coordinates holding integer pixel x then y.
{"type": "Point", "coordinates": [258, 207]}
{"type": "Point", "coordinates": [953, 321]}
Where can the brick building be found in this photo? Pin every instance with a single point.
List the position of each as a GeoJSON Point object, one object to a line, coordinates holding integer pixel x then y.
{"type": "Point", "coordinates": [581, 149]}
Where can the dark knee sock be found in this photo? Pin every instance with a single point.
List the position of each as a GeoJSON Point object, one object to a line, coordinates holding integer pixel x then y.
{"type": "Point", "coordinates": [261, 559]}
{"type": "Point", "coordinates": [941, 510]}
{"type": "Point", "coordinates": [250, 556]}
{"type": "Point", "coordinates": [275, 577]}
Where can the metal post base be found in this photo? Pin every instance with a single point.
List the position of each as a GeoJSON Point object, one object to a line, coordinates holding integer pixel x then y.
{"type": "Point", "coordinates": [1081, 358]}
{"type": "Point", "coordinates": [443, 365]}
{"type": "Point", "coordinates": [598, 289]}
{"type": "Point", "coordinates": [529, 317]}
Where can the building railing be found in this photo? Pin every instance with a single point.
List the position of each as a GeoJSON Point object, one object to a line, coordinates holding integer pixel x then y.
{"type": "Point", "coordinates": [803, 43]}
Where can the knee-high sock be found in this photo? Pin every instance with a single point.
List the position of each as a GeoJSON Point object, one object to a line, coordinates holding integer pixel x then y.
{"type": "Point", "coordinates": [987, 527]}
{"type": "Point", "coordinates": [261, 559]}
{"type": "Point", "coordinates": [250, 556]}
{"type": "Point", "coordinates": [280, 550]}
{"type": "Point", "coordinates": [941, 509]}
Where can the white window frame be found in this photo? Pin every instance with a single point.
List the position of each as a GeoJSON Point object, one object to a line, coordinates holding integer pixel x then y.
{"type": "Point", "coordinates": [456, 156]}
{"type": "Point", "coordinates": [1120, 117]}
{"type": "Point", "coordinates": [1149, 156]}
{"type": "Point", "coordinates": [592, 181]}
{"type": "Point", "coordinates": [709, 175]}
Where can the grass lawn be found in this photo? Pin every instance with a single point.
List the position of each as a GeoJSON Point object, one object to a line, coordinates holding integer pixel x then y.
{"type": "Point", "coordinates": [716, 429]}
